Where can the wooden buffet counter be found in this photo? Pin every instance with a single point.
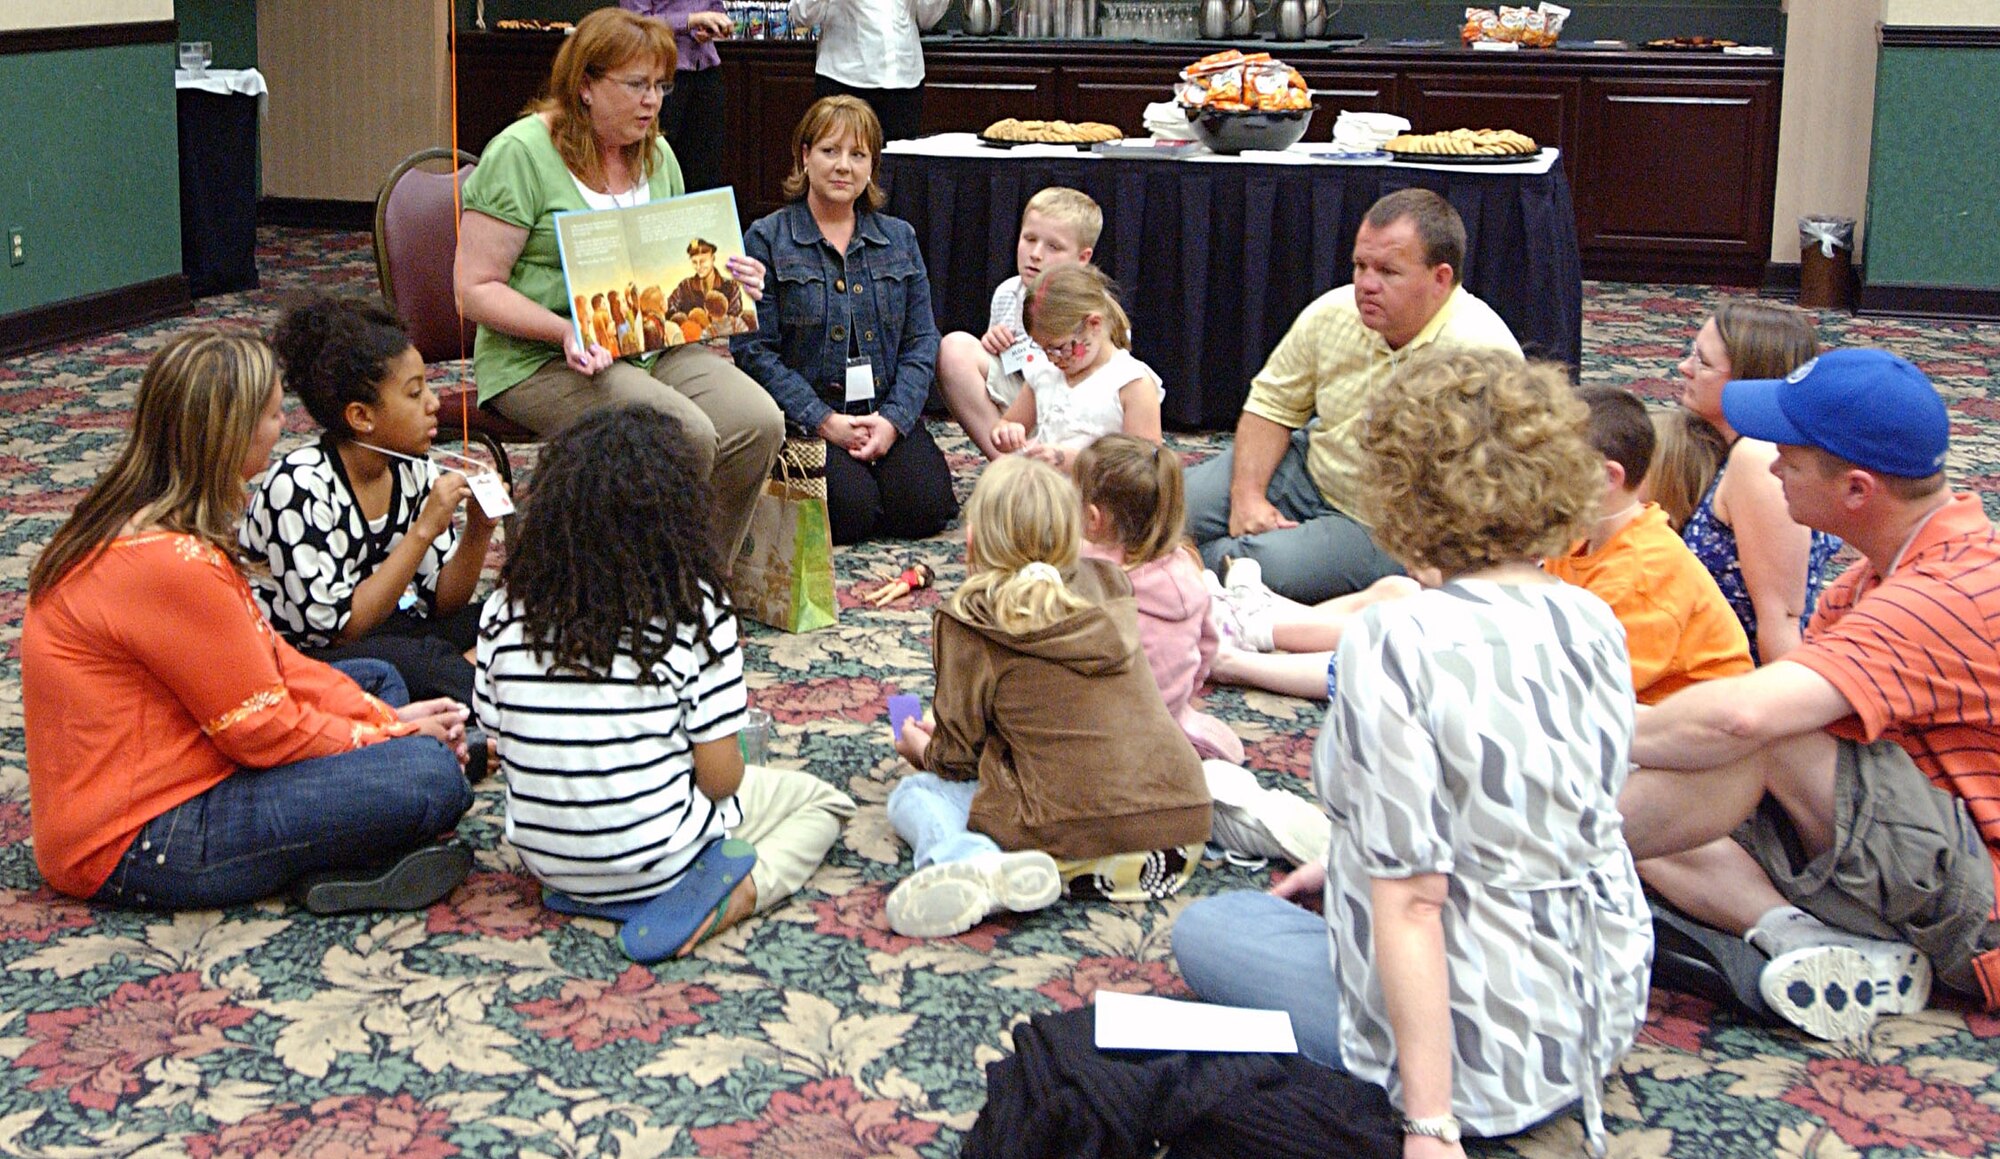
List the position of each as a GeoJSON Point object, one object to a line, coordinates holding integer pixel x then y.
{"type": "Point", "coordinates": [1671, 157]}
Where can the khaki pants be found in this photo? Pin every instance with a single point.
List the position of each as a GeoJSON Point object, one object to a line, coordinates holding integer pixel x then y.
{"type": "Point", "coordinates": [1907, 864]}
{"type": "Point", "coordinates": [792, 818]}
{"type": "Point", "coordinates": [731, 422]}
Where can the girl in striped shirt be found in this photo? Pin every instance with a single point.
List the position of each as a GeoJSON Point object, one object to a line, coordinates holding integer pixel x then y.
{"type": "Point", "coordinates": [610, 680]}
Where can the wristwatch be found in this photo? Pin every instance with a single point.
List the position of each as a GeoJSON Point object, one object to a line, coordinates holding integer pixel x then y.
{"type": "Point", "coordinates": [1443, 1127]}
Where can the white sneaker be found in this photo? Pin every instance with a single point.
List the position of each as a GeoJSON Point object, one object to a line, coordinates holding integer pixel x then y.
{"type": "Point", "coordinates": [1833, 984]}
{"type": "Point", "coordinates": [938, 901]}
{"type": "Point", "coordinates": [1243, 606]}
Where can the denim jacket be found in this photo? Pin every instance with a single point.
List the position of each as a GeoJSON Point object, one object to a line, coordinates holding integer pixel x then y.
{"type": "Point", "coordinates": [814, 314]}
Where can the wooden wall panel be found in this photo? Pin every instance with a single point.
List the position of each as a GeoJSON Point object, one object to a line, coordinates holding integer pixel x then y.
{"type": "Point", "coordinates": [355, 87]}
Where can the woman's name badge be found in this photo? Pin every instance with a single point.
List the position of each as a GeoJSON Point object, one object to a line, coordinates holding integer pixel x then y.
{"type": "Point", "coordinates": [490, 494]}
{"type": "Point", "coordinates": [1016, 357]}
{"type": "Point", "coordinates": [860, 380]}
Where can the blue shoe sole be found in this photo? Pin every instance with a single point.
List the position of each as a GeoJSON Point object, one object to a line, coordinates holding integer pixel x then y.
{"type": "Point", "coordinates": [670, 919]}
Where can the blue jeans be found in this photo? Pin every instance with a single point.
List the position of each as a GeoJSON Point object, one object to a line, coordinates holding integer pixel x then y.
{"type": "Point", "coordinates": [1264, 953]}
{"type": "Point", "coordinates": [260, 830]}
{"type": "Point", "coordinates": [932, 815]}
{"type": "Point", "coordinates": [1326, 555]}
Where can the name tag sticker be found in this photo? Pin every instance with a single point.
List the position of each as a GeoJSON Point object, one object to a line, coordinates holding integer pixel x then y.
{"type": "Point", "coordinates": [860, 380]}
{"type": "Point", "coordinates": [1016, 357]}
{"type": "Point", "coordinates": [491, 496]}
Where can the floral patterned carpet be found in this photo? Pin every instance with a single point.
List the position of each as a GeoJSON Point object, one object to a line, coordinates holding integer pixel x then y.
{"type": "Point", "coordinates": [488, 1026]}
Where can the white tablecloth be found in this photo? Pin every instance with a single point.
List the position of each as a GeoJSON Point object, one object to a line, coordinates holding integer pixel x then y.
{"type": "Point", "coordinates": [968, 145]}
{"type": "Point", "coordinates": [223, 81]}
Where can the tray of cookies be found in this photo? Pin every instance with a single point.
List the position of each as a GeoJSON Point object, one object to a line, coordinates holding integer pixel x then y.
{"type": "Point", "coordinates": [1011, 131]}
{"type": "Point", "coordinates": [1463, 147]}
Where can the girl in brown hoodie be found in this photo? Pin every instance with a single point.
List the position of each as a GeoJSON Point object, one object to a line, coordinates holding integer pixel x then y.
{"type": "Point", "coordinates": [1051, 740]}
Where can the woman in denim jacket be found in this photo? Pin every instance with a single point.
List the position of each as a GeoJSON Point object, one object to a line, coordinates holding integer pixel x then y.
{"type": "Point", "coordinates": [846, 342]}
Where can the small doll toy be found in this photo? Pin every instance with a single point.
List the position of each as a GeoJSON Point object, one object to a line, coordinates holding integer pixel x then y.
{"type": "Point", "coordinates": [915, 576]}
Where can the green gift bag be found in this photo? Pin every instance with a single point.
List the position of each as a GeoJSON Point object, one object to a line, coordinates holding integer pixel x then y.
{"type": "Point", "coordinates": [784, 574]}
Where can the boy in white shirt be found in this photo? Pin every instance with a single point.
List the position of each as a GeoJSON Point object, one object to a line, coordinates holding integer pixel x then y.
{"type": "Point", "coordinates": [980, 375]}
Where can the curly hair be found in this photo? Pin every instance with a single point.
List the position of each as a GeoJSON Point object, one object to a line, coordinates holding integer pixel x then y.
{"type": "Point", "coordinates": [1474, 459]}
{"type": "Point", "coordinates": [613, 543]}
{"type": "Point", "coordinates": [335, 351]}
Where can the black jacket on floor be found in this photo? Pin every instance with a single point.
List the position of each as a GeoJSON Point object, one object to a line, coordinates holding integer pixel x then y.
{"type": "Point", "coordinates": [1060, 1096]}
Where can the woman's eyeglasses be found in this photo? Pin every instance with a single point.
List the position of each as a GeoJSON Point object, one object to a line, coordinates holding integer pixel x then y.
{"type": "Point", "coordinates": [639, 86]}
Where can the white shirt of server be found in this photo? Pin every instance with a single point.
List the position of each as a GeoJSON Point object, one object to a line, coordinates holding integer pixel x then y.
{"type": "Point", "coordinates": [601, 799]}
{"type": "Point", "coordinates": [870, 44]}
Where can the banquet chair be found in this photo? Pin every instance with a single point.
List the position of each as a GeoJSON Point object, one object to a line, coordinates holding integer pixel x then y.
{"type": "Point", "coordinates": [416, 244]}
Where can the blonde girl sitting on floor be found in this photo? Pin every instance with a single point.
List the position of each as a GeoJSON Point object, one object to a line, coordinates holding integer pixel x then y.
{"type": "Point", "coordinates": [1072, 313]}
{"type": "Point", "coordinates": [1051, 739]}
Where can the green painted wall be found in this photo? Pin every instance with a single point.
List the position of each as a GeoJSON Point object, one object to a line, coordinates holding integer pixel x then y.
{"type": "Point", "coordinates": [1750, 21]}
{"type": "Point", "coordinates": [1933, 215]}
{"type": "Point", "coordinates": [229, 25]}
{"type": "Point", "coordinates": [92, 173]}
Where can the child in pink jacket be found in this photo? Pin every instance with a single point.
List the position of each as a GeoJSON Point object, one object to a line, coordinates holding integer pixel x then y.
{"type": "Point", "coordinates": [1133, 516]}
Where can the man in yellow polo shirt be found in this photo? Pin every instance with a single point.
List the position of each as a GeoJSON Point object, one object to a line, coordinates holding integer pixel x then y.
{"type": "Point", "coordinates": [1283, 495]}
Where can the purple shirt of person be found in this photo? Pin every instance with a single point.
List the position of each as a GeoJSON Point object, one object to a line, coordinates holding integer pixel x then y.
{"type": "Point", "coordinates": [695, 53]}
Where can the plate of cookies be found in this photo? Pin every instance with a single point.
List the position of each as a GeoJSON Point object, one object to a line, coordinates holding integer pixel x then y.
{"type": "Point", "coordinates": [1689, 44]}
{"type": "Point", "coordinates": [1463, 147]}
{"type": "Point", "coordinates": [1009, 132]}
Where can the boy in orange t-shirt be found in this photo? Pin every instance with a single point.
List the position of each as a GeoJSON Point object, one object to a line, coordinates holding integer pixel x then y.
{"type": "Point", "coordinates": [1678, 627]}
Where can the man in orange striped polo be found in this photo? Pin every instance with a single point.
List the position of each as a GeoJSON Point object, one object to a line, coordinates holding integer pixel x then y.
{"type": "Point", "coordinates": [1840, 807]}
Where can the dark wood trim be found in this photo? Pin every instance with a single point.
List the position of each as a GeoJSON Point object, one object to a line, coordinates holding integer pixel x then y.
{"type": "Point", "coordinates": [1781, 280]}
{"type": "Point", "coordinates": [316, 213]}
{"type": "Point", "coordinates": [88, 36]}
{"type": "Point", "coordinates": [1952, 302]}
{"type": "Point", "coordinates": [1920, 36]}
{"type": "Point", "coordinates": [119, 309]}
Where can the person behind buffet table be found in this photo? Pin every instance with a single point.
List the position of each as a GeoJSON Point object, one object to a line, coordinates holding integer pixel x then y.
{"type": "Point", "coordinates": [693, 117]}
{"type": "Point", "coordinates": [871, 49]}
{"type": "Point", "coordinates": [594, 143]}
{"type": "Point", "coordinates": [1284, 494]}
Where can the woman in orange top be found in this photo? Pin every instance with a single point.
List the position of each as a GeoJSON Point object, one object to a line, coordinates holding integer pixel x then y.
{"type": "Point", "coordinates": [182, 755]}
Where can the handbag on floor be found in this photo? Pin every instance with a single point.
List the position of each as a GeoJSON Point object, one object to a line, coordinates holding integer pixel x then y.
{"type": "Point", "coordinates": [784, 574]}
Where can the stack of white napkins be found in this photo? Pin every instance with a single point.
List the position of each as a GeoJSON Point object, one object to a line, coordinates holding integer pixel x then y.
{"type": "Point", "coordinates": [1167, 121]}
{"type": "Point", "coordinates": [1365, 132]}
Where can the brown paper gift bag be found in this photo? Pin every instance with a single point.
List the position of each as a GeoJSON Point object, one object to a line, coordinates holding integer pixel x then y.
{"type": "Point", "coordinates": [784, 574]}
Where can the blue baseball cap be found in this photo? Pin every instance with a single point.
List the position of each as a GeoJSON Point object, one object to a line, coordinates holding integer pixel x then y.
{"type": "Point", "coordinates": [1869, 407]}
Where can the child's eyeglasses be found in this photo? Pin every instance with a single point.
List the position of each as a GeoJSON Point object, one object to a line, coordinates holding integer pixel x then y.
{"type": "Point", "coordinates": [1063, 353]}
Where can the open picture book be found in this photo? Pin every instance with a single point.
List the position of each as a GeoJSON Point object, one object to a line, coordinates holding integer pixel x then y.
{"type": "Point", "coordinates": [647, 277]}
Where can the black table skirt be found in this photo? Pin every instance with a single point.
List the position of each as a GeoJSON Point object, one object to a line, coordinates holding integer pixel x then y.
{"type": "Point", "coordinates": [1216, 260]}
{"type": "Point", "coordinates": [218, 140]}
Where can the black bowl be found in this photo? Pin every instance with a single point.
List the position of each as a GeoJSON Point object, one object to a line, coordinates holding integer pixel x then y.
{"type": "Point", "coordinates": [1225, 131]}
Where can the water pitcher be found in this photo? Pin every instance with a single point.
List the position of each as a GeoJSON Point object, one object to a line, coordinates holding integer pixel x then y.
{"type": "Point", "coordinates": [982, 16]}
{"type": "Point", "coordinates": [1242, 17]}
{"type": "Point", "coordinates": [1288, 19]}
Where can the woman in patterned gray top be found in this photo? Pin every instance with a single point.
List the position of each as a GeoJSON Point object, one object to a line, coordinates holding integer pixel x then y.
{"type": "Point", "coordinates": [1485, 950]}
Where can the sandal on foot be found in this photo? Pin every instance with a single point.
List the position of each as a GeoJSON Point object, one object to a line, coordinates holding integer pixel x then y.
{"type": "Point", "coordinates": [671, 918]}
{"type": "Point", "coordinates": [416, 880]}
